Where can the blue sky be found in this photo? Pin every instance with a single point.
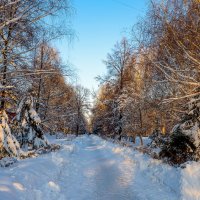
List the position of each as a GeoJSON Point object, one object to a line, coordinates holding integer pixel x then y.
{"type": "Point", "coordinates": [98, 25]}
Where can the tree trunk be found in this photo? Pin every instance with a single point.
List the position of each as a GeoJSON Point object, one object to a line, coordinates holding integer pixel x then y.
{"type": "Point", "coordinates": [120, 124]}
{"type": "Point", "coordinates": [47, 105]}
{"type": "Point", "coordinates": [40, 81]}
{"type": "Point", "coordinates": [141, 126]}
{"type": "Point", "coordinates": [141, 140]}
{"type": "Point", "coordinates": [78, 121]}
{"type": "Point", "coordinates": [77, 130]}
{"type": "Point", "coordinates": [4, 82]}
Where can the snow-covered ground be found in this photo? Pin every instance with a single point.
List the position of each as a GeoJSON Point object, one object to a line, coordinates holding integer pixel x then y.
{"type": "Point", "coordinates": [89, 168]}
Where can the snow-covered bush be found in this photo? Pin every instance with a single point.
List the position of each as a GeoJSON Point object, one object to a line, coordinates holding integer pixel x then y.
{"type": "Point", "coordinates": [29, 132]}
{"type": "Point", "coordinates": [184, 142]}
{"type": "Point", "coordinates": [157, 139]}
{"type": "Point", "coordinates": [9, 146]}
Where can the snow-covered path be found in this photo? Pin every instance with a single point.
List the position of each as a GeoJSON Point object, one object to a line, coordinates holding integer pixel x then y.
{"type": "Point", "coordinates": [90, 168]}
{"type": "Point", "coordinates": [106, 173]}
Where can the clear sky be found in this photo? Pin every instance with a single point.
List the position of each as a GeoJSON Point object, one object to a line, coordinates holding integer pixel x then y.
{"type": "Point", "coordinates": [98, 25]}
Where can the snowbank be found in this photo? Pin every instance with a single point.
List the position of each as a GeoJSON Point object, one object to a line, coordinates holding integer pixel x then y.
{"type": "Point", "coordinates": [35, 178]}
{"type": "Point", "coordinates": [89, 167]}
{"type": "Point", "coordinates": [191, 181]}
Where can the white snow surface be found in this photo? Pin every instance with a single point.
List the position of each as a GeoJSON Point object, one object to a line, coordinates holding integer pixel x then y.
{"type": "Point", "coordinates": [90, 168]}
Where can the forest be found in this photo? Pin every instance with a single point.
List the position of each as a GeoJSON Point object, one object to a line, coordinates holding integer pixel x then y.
{"type": "Point", "coordinates": [36, 95]}
{"type": "Point", "coordinates": [150, 91]}
{"type": "Point", "coordinates": [152, 82]}
{"type": "Point", "coordinates": [151, 85]}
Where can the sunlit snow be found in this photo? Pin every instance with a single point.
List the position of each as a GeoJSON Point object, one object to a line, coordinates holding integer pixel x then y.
{"type": "Point", "coordinates": [90, 168]}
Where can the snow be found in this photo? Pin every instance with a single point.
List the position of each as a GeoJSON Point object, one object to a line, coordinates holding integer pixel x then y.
{"type": "Point", "coordinates": [193, 131]}
{"type": "Point", "coordinates": [33, 137]}
{"type": "Point", "coordinates": [34, 116]}
{"type": "Point", "coordinates": [7, 140]}
{"type": "Point", "coordinates": [89, 167]}
{"type": "Point", "coordinates": [191, 181]}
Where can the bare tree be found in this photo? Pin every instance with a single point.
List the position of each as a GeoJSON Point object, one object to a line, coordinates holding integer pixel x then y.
{"type": "Point", "coordinates": [22, 24]}
{"type": "Point", "coordinates": [82, 105]}
{"type": "Point", "coordinates": [116, 63]}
